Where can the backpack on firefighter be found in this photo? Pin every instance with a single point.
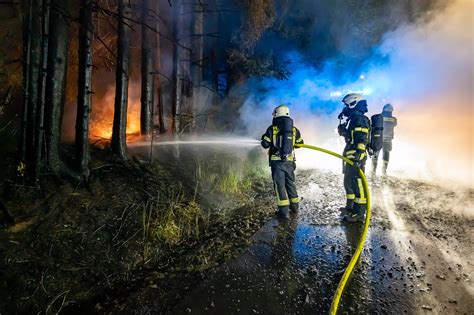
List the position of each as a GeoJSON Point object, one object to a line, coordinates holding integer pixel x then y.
{"type": "Point", "coordinates": [376, 134]}
{"type": "Point", "coordinates": [284, 137]}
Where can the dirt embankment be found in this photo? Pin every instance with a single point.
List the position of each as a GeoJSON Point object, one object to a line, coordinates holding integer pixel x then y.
{"type": "Point", "coordinates": [139, 226]}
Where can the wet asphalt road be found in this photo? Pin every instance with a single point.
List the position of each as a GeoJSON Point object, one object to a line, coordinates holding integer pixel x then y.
{"type": "Point", "coordinates": [417, 259]}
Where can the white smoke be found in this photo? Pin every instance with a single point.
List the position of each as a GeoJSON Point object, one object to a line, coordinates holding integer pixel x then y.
{"type": "Point", "coordinates": [429, 78]}
{"type": "Point", "coordinates": [425, 69]}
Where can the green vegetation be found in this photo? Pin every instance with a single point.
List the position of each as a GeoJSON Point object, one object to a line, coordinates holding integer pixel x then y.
{"type": "Point", "coordinates": [230, 174]}
{"type": "Point", "coordinates": [179, 221]}
{"type": "Point", "coordinates": [219, 181]}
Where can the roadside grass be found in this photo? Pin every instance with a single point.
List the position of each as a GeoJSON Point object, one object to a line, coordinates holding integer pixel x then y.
{"type": "Point", "coordinates": [182, 217]}
{"type": "Point", "coordinates": [231, 175]}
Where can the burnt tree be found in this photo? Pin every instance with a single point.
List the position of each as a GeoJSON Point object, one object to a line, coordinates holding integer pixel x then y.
{"type": "Point", "coordinates": [39, 130]}
{"type": "Point", "coordinates": [56, 82]}
{"type": "Point", "coordinates": [119, 130]}
{"type": "Point", "coordinates": [84, 93]}
{"type": "Point", "coordinates": [147, 90]}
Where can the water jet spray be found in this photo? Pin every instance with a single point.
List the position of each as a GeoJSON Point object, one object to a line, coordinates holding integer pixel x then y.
{"type": "Point", "coordinates": [220, 141]}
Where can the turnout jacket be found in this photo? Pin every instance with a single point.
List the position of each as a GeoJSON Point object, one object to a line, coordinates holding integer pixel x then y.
{"type": "Point", "coordinates": [269, 141]}
{"type": "Point", "coordinates": [389, 123]}
{"type": "Point", "coordinates": [357, 134]}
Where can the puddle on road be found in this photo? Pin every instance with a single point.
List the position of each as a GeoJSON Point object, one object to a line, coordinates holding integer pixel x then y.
{"type": "Point", "coordinates": [294, 268]}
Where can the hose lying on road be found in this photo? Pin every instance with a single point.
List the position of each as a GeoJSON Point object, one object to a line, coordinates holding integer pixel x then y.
{"type": "Point", "coordinates": [347, 273]}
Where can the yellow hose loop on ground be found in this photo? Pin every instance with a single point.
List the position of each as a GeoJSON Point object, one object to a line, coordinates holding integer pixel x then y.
{"type": "Point", "coordinates": [347, 273]}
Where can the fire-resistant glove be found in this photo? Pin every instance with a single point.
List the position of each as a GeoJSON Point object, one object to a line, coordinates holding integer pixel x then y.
{"type": "Point", "coordinates": [356, 166]}
{"type": "Point", "coordinates": [265, 144]}
{"type": "Point", "coordinates": [341, 129]}
{"type": "Point", "coordinates": [356, 162]}
{"type": "Point", "coordinates": [343, 113]}
{"type": "Point", "coordinates": [370, 152]}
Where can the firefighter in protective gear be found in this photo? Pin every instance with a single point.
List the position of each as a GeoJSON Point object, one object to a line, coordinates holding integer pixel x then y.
{"type": "Point", "coordinates": [356, 131]}
{"type": "Point", "coordinates": [280, 138]}
{"type": "Point", "coordinates": [389, 123]}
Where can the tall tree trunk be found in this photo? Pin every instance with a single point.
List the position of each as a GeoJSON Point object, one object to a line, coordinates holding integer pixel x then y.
{"type": "Point", "coordinates": [177, 69]}
{"type": "Point", "coordinates": [157, 78]}
{"type": "Point", "coordinates": [185, 64]}
{"type": "Point", "coordinates": [84, 98]}
{"type": "Point", "coordinates": [214, 28]}
{"type": "Point", "coordinates": [197, 59]}
{"type": "Point", "coordinates": [119, 131]}
{"type": "Point", "coordinates": [33, 86]}
{"type": "Point", "coordinates": [56, 83]}
{"type": "Point", "coordinates": [39, 132]}
{"type": "Point", "coordinates": [27, 34]}
{"type": "Point", "coordinates": [147, 92]}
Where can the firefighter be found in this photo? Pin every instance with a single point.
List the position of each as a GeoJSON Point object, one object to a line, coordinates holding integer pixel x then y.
{"type": "Point", "coordinates": [280, 138]}
{"type": "Point", "coordinates": [356, 131]}
{"type": "Point", "coordinates": [389, 123]}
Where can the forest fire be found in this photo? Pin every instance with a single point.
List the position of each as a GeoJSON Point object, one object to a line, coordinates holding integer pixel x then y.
{"type": "Point", "coordinates": [254, 156]}
{"type": "Point", "coordinates": [103, 116]}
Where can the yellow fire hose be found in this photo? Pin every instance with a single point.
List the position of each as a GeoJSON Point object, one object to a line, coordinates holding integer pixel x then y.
{"type": "Point", "coordinates": [347, 273]}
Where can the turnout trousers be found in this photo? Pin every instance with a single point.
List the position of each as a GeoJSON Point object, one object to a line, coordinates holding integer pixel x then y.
{"type": "Point", "coordinates": [283, 175]}
{"type": "Point", "coordinates": [387, 147]}
{"type": "Point", "coordinates": [356, 200]}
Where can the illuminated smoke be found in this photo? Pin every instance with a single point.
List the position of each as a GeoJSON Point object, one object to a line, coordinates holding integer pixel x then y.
{"type": "Point", "coordinates": [429, 79]}
{"type": "Point", "coordinates": [424, 69]}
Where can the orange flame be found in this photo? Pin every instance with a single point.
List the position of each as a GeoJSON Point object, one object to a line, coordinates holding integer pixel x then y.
{"type": "Point", "coordinates": [103, 116]}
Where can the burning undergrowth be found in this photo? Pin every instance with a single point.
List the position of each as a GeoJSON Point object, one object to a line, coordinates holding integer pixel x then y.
{"type": "Point", "coordinates": [102, 115]}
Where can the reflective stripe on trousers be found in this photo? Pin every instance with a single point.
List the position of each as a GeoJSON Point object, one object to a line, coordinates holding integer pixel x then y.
{"type": "Point", "coordinates": [283, 175]}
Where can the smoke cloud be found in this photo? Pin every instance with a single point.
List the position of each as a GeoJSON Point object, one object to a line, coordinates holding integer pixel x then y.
{"type": "Point", "coordinates": [424, 69]}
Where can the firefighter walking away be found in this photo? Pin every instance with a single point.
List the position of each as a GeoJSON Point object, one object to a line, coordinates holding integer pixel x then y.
{"type": "Point", "coordinates": [280, 139]}
{"type": "Point", "coordinates": [389, 122]}
{"type": "Point", "coordinates": [356, 131]}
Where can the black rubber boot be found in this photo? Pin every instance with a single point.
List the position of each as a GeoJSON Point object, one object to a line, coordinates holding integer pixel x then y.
{"type": "Point", "coordinates": [348, 208]}
{"type": "Point", "coordinates": [354, 217]}
{"type": "Point", "coordinates": [283, 212]}
{"type": "Point", "coordinates": [357, 215]}
{"type": "Point", "coordinates": [344, 211]}
{"type": "Point", "coordinates": [294, 207]}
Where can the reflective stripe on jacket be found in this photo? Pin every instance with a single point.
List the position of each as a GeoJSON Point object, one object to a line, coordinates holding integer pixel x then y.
{"type": "Point", "coordinates": [389, 123]}
{"type": "Point", "coordinates": [357, 136]}
{"type": "Point", "coordinates": [269, 140]}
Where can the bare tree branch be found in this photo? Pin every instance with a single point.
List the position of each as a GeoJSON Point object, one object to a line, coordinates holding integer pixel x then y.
{"type": "Point", "coordinates": [114, 14]}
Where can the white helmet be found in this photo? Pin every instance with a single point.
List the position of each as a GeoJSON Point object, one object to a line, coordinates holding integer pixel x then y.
{"type": "Point", "coordinates": [281, 110]}
{"type": "Point", "coordinates": [352, 99]}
